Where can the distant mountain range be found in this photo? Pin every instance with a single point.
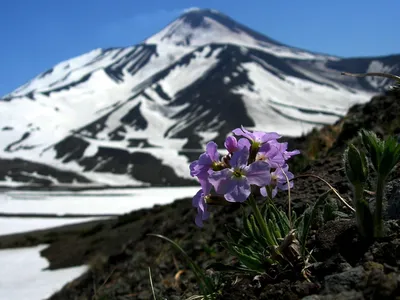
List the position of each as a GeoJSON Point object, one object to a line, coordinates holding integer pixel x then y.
{"type": "Point", "coordinates": [137, 115]}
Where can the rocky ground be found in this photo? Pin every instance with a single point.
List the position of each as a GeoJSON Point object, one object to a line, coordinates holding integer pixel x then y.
{"type": "Point", "coordinates": [120, 252]}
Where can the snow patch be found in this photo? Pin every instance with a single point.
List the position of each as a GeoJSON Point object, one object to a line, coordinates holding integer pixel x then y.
{"type": "Point", "coordinates": [23, 274]}
{"type": "Point", "coordinates": [379, 67]}
{"type": "Point", "coordinates": [115, 201]}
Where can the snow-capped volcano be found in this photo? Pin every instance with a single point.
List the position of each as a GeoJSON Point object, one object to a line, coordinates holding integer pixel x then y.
{"type": "Point", "coordinates": [199, 27]}
{"type": "Point", "coordinates": [203, 26]}
{"type": "Point", "coordinates": [135, 115]}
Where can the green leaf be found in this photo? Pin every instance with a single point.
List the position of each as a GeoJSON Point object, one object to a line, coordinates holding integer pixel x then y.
{"type": "Point", "coordinates": [256, 230]}
{"type": "Point", "coordinates": [297, 220]}
{"type": "Point", "coordinates": [273, 223]}
{"type": "Point", "coordinates": [356, 166]}
{"type": "Point", "coordinates": [250, 262]}
{"type": "Point", "coordinates": [275, 230]}
{"type": "Point", "coordinates": [308, 217]}
{"type": "Point", "coordinates": [281, 217]}
{"type": "Point", "coordinates": [390, 156]}
{"type": "Point", "coordinates": [234, 234]}
{"type": "Point", "coordinates": [248, 227]}
{"type": "Point", "coordinates": [374, 147]}
{"type": "Point", "coordinates": [364, 219]}
{"type": "Point", "coordinates": [264, 210]}
{"type": "Point", "coordinates": [300, 223]}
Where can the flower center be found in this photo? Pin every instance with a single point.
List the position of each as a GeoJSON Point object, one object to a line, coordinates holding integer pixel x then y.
{"type": "Point", "coordinates": [238, 173]}
{"type": "Point", "coordinates": [274, 179]}
{"type": "Point", "coordinates": [217, 166]}
{"type": "Point", "coordinates": [262, 156]}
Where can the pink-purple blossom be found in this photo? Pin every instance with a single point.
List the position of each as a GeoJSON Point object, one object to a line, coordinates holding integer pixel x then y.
{"type": "Point", "coordinates": [271, 154]}
{"type": "Point", "coordinates": [231, 144]}
{"type": "Point", "coordinates": [199, 202]}
{"type": "Point", "coordinates": [234, 182]}
{"type": "Point", "coordinates": [234, 174]}
{"type": "Point", "coordinates": [259, 137]}
{"type": "Point", "coordinates": [279, 181]}
{"type": "Point", "coordinates": [200, 167]}
{"type": "Point", "coordinates": [283, 149]}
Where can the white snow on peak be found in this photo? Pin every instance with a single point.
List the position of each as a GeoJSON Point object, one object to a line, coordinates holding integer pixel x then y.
{"type": "Point", "coordinates": [59, 71]}
{"type": "Point", "coordinates": [69, 71]}
{"type": "Point", "coordinates": [192, 9]}
{"type": "Point", "coordinates": [180, 32]}
{"type": "Point", "coordinates": [377, 66]}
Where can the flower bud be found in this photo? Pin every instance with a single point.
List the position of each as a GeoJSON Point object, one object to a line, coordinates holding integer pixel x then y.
{"type": "Point", "coordinates": [231, 144]}
{"type": "Point", "coordinates": [356, 166]}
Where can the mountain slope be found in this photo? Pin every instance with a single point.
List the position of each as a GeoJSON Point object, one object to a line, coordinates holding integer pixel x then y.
{"type": "Point", "coordinates": [136, 115]}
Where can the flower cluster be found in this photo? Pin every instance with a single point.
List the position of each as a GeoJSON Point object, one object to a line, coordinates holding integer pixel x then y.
{"type": "Point", "coordinates": [254, 159]}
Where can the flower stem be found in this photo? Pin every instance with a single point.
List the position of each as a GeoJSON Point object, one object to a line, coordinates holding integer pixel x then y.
{"type": "Point", "coordinates": [378, 228]}
{"type": "Point", "coordinates": [364, 217]}
{"type": "Point", "coordinates": [260, 220]}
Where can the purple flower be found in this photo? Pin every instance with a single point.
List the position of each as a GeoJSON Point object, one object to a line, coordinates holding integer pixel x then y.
{"type": "Point", "coordinates": [259, 137]}
{"type": "Point", "coordinates": [244, 143]}
{"type": "Point", "coordinates": [283, 149]}
{"type": "Point", "coordinates": [201, 205]}
{"type": "Point", "coordinates": [234, 183]}
{"type": "Point", "coordinates": [199, 202]}
{"type": "Point", "coordinates": [279, 181]}
{"type": "Point", "coordinates": [231, 144]}
{"type": "Point", "coordinates": [270, 153]}
{"type": "Point", "coordinates": [201, 166]}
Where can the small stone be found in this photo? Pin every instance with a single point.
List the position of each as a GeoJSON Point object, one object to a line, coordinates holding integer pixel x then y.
{"type": "Point", "coordinates": [344, 281]}
{"type": "Point", "coordinates": [387, 286]}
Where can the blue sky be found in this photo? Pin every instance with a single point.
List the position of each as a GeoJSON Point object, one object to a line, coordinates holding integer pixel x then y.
{"type": "Point", "coordinates": [37, 34]}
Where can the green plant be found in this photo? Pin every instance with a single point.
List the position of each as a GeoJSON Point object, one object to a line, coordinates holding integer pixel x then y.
{"type": "Point", "coordinates": [383, 157]}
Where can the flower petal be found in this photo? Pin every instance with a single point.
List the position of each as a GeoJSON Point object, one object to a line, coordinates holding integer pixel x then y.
{"type": "Point", "coordinates": [274, 192]}
{"type": "Point", "coordinates": [197, 199]}
{"type": "Point", "coordinates": [201, 216]}
{"type": "Point", "coordinates": [199, 220]}
{"type": "Point", "coordinates": [205, 185]}
{"type": "Point", "coordinates": [268, 148]}
{"type": "Point", "coordinates": [240, 158]}
{"type": "Point", "coordinates": [221, 180]}
{"type": "Point", "coordinates": [205, 160]}
{"type": "Point", "coordinates": [258, 136]}
{"type": "Point", "coordinates": [194, 166]}
{"type": "Point", "coordinates": [263, 191]}
{"type": "Point", "coordinates": [258, 173]}
{"type": "Point", "coordinates": [212, 151]}
{"type": "Point", "coordinates": [202, 213]}
{"type": "Point", "coordinates": [289, 154]}
{"type": "Point", "coordinates": [244, 143]}
{"type": "Point", "coordinates": [240, 191]}
{"type": "Point", "coordinates": [268, 136]}
{"type": "Point", "coordinates": [243, 132]}
{"type": "Point", "coordinates": [231, 144]}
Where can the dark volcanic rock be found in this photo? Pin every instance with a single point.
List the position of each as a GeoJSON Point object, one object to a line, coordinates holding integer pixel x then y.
{"type": "Point", "coordinates": [19, 170]}
{"type": "Point", "coordinates": [139, 165]}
